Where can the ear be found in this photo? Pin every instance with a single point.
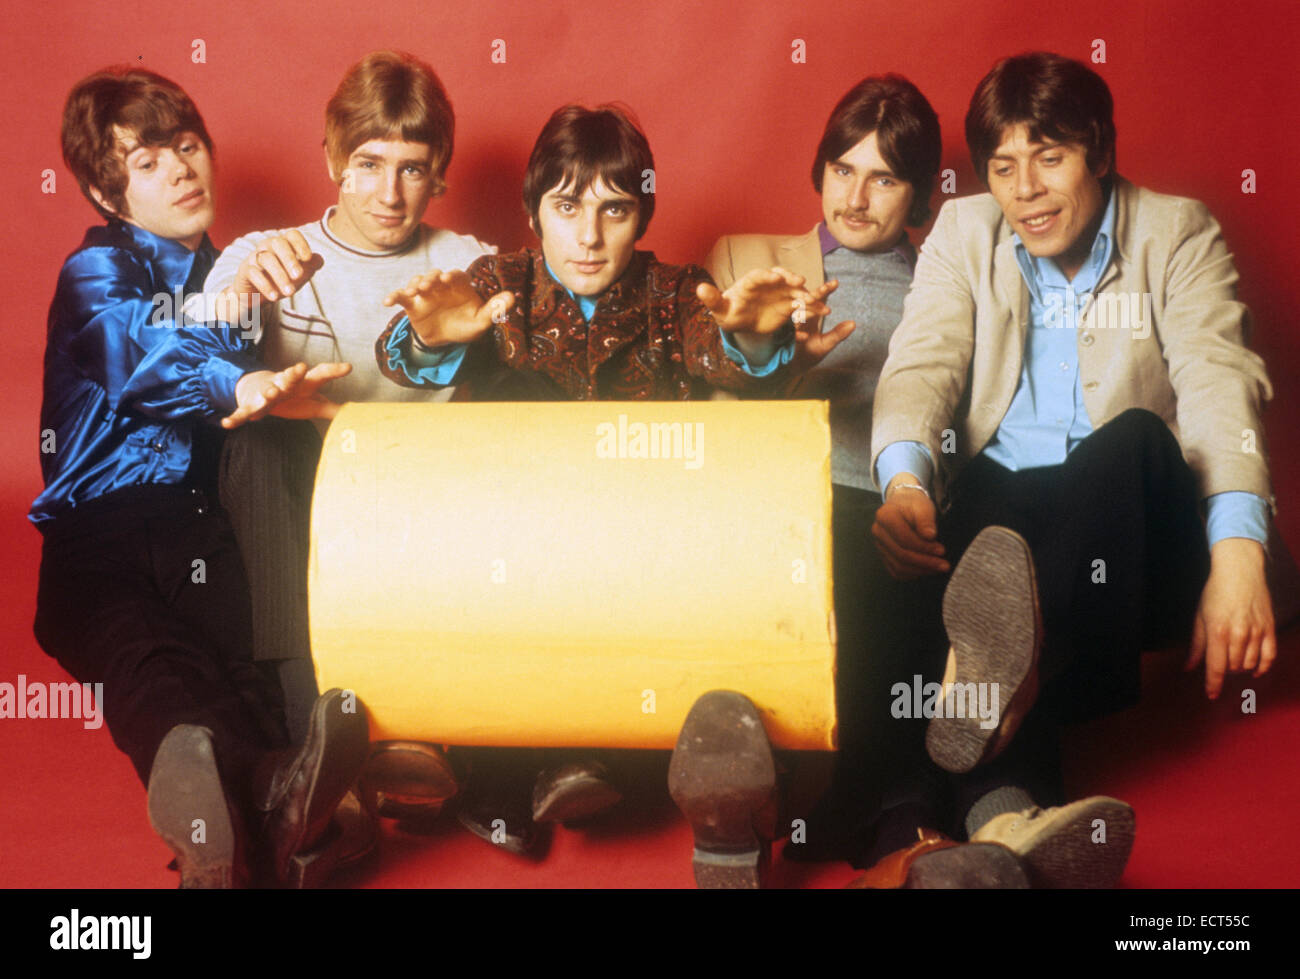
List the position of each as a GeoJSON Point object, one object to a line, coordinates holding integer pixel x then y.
{"type": "Point", "coordinates": [101, 201]}
{"type": "Point", "coordinates": [329, 165]}
{"type": "Point", "coordinates": [532, 223]}
{"type": "Point", "coordinates": [1101, 169]}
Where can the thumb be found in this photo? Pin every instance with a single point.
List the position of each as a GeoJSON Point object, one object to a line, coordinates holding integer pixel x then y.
{"type": "Point", "coordinates": [710, 296]}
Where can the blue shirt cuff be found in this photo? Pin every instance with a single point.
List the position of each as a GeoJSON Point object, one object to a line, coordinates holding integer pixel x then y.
{"type": "Point", "coordinates": [904, 457]}
{"type": "Point", "coordinates": [780, 356]}
{"type": "Point", "coordinates": [1236, 514]}
{"type": "Point", "coordinates": [222, 372]}
{"type": "Point", "coordinates": [437, 368]}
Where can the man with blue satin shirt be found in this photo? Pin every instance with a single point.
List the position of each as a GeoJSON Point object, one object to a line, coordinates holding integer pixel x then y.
{"type": "Point", "coordinates": [141, 586]}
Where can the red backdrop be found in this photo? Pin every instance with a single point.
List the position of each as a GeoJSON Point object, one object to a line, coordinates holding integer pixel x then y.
{"type": "Point", "coordinates": [1203, 92]}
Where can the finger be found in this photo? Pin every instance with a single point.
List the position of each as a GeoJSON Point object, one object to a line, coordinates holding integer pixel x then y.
{"type": "Point", "coordinates": [827, 288]}
{"type": "Point", "coordinates": [301, 250]}
{"type": "Point", "coordinates": [823, 343]}
{"type": "Point", "coordinates": [909, 551]}
{"type": "Point", "coordinates": [710, 297]}
{"type": "Point", "coordinates": [1267, 652]}
{"type": "Point", "coordinates": [287, 256]}
{"type": "Point", "coordinates": [1196, 651]}
{"type": "Point", "coordinates": [262, 282]}
{"type": "Point", "coordinates": [1237, 642]}
{"type": "Point", "coordinates": [328, 372]}
{"type": "Point", "coordinates": [266, 260]}
{"type": "Point", "coordinates": [1216, 661]}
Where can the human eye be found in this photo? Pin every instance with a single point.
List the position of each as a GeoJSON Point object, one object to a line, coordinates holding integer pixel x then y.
{"type": "Point", "coordinates": [1001, 170]}
{"type": "Point", "coordinates": [841, 171]}
{"type": "Point", "coordinates": [1052, 159]}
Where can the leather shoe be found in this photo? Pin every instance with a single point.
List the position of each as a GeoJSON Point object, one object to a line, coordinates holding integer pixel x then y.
{"type": "Point", "coordinates": [184, 788]}
{"type": "Point", "coordinates": [407, 780]}
{"type": "Point", "coordinates": [723, 779]}
{"type": "Point", "coordinates": [299, 792]}
{"type": "Point", "coordinates": [573, 792]}
{"type": "Point", "coordinates": [936, 862]}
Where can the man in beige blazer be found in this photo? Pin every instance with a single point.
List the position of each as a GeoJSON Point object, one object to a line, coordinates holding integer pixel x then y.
{"type": "Point", "coordinates": [874, 169]}
{"type": "Point", "coordinates": [1070, 380]}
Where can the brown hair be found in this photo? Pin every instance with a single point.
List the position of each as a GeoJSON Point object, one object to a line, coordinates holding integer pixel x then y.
{"type": "Point", "coordinates": [153, 108]}
{"type": "Point", "coordinates": [1055, 96]}
{"type": "Point", "coordinates": [907, 133]}
{"type": "Point", "coordinates": [385, 95]}
{"type": "Point", "coordinates": [578, 145]}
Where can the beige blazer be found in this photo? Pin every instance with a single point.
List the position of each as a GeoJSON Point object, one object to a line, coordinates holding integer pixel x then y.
{"type": "Point", "coordinates": [735, 255]}
{"type": "Point", "coordinates": [1163, 331]}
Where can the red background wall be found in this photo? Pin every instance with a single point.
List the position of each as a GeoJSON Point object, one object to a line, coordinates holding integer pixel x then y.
{"type": "Point", "coordinates": [1203, 91]}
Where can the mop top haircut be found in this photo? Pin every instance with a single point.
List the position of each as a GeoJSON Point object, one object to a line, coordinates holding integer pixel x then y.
{"type": "Point", "coordinates": [1057, 98]}
{"type": "Point", "coordinates": [390, 95]}
{"type": "Point", "coordinates": [154, 109]}
{"type": "Point", "coordinates": [907, 133]}
{"type": "Point", "coordinates": [578, 145]}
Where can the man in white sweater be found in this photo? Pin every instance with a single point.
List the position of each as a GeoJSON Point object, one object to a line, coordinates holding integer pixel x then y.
{"type": "Point", "coordinates": [314, 294]}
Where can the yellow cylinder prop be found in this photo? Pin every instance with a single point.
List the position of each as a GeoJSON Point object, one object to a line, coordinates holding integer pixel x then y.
{"type": "Point", "coordinates": [575, 574]}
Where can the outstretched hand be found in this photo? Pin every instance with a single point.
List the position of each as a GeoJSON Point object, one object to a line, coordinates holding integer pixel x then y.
{"type": "Point", "coordinates": [291, 393]}
{"type": "Point", "coordinates": [444, 308]}
{"type": "Point", "coordinates": [278, 267]}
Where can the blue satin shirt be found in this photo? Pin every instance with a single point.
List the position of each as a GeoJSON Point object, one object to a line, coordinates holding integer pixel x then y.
{"type": "Point", "coordinates": [127, 377]}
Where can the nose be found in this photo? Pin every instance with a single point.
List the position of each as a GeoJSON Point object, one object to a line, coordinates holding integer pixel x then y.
{"type": "Point", "coordinates": [388, 192]}
{"type": "Point", "coordinates": [178, 168]}
{"type": "Point", "coordinates": [859, 197]}
{"type": "Point", "coordinates": [589, 228]}
{"type": "Point", "coordinates": [1028, 186]}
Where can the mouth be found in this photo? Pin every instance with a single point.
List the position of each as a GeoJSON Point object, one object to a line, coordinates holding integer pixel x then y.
{"type": "Point", "coordinates": [588, 268]}
{"type": "Point", "coordinates": [1037, 224]}
{"type": "Point", "coordinates": [192, 200]}
{"type": "Point", "coordinates": [856, 221]}
{"type": "Point", "coordinates": [389, 220]}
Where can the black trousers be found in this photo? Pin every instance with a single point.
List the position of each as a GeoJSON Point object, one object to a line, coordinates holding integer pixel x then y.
{"type": "Point", "coordinates": [143, 590]}
{"type": "Point", "coordinates": [267, 473]}
{"type": "Point", "coordinates": [1121, 559]}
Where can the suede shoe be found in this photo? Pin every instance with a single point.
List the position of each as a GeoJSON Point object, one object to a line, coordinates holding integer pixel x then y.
{"type": "Point", "coordinates": [190, 810]}
{"type": "Point", "coordinates": [723, 779]}
{"type": "Point", "coordinates": [990, 609]}
{"type": "Point", "coordinates": [1084, 844]}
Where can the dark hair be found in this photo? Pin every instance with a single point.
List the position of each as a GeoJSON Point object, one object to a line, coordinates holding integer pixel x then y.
{"type": "Point", "coordinates": [578, 145]}
{"type": "Point", "coordinates": [385, 95]}
{"type": "Point", "coordinates": [151, 107]}
{"type": "Point", "coordinates": [907, 133]}
{"type": "Point", "coordinates": [1056, 97]}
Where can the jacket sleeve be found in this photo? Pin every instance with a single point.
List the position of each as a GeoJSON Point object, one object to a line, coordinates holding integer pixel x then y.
{"type": "Point", "coordinates": [148, 357]}
{"type": "Point", "coordinates": [1220, 385]}
{"type": "Point", "coordinates": [924, 378]}
{"type": "Point", "coordinates": [706, 355]}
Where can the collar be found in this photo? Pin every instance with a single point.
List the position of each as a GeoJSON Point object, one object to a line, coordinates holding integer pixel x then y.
{"type": "Point", "coordinates": [829, 243]}
{"type": "Point", "coordinates": [625, 292]}
{"type": "Point", "coordinates": [334, 239]}
{"type": "Point", "coordinates": [1040, 272]}
{"type": "Point", "coordinates": [168, 255]}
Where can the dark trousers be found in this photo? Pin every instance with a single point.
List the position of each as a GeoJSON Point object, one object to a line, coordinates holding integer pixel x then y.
{"type": "Point", "coordinates": [268, 471]}
{"type": "Point", "coordinates": [882, 637]}
{"type": "Point", "coordinates": [143, 590]}
{"type": "Point", "coordinates": [1121, 558]}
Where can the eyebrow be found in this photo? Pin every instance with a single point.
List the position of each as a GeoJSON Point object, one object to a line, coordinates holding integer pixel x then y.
{"type": "Point", "coordinates": [870, 173]}
{"type": "Point", "coordinates": [572, 198]}
{"type": "Point", "coordinates": [413, 161]}
{"type": "Point", "coordinates": [1041, 147]}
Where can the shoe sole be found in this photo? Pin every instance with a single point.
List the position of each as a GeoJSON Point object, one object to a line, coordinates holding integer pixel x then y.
{"type": "Point", "coordinates": [575, 800]}
{"type": "Point", "coordinates": [990, 609]}
{"type": "Point", "coordinates": [723, 779]}
{"type": "Point", "coordinates": [1063, 855]}
{"type": "Point", "coordinates": [344, 744]}
{"type": "Point", "coordinates": [984, 866]}
{"type": "Point", "coordinates": [520, 846]}
{"type": "Point", "coordinates": [185, 786]}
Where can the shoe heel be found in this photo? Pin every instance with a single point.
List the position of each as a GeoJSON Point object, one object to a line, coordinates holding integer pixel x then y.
{"type": "Point", "coordinates": [310, 869]}
{"type": "Point", "coordinates": [748, 870]}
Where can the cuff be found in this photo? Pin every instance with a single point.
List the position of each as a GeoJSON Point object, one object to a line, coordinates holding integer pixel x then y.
{"type": "Point", "coordinates": [904, 457]}
{"type": "Point", "coordinates": [437, 367]}
{"type": "Point", "coordinates": [220, 375]}
{"type": "Point", "coordinates": [1236, 514]}
{"type": "Point", "coordinates": [780, 356]}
